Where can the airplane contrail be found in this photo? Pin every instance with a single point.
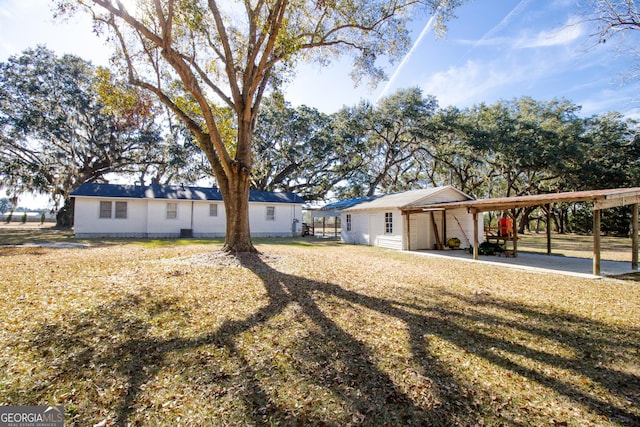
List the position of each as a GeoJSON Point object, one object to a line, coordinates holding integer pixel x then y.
{"type": "Point", "coordinates": [429, 26]}
{"type": "Point", "coordinates": [408, 56]}
{"type": "Point", "coordinates": [503, 23]}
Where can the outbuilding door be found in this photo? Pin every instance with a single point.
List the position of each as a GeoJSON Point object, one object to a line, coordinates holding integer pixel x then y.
{"type": "Point", "coordinates": [371, 238]}
{"type": "Point", "coordinates": [420, 231]}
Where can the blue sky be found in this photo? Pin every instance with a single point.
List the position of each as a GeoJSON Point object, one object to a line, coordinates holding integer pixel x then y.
{"type": "Point", "coordinates": [501, 50]}
{"type": "Point", "coordinates": [493, 50]}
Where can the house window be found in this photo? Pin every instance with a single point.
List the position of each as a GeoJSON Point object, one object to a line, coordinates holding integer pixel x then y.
{"type": "Point", "coordinates": [348, 222]}
{"type": "Point", "coordinates": [271, 213]}
{"type": "Point", "coordinates": [388, 222]}
{"type": "Point", "coordinates": [172, 210]}
{"type": "Point", "coordinates": [213, 209]}
{"type": "Point", "coordinates": [121, 210]}
{"type": "Point", "coordinates": [105, 209]}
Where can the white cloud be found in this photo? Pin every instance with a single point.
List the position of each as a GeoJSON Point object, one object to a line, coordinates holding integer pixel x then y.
{"type": "Point", "coordinates": [5, 13]}
{"type": "Point", "coordinates": [506, 76]}
{"type": "Point", "coordinates": [565, 35]}
{"type": "Point", "coordinates": [622, 99]}
{"type": "Point", "coordinates": [462, 86]}
{"type": "Point", "coordinates": [573, 30]}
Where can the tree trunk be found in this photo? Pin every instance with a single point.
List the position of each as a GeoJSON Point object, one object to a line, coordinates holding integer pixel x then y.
{"type": "Point", "coordinates": [234, 186]}
{"type": "Point", "coordinates": [236, 204]}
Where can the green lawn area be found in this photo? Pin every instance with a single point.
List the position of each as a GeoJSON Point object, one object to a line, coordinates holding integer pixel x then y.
{"type": "Point", "coordinates": [310, 332]}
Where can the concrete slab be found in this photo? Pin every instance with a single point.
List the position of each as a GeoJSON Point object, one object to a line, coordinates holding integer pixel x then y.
{"type": "Point", "coordinates": [556, 264]}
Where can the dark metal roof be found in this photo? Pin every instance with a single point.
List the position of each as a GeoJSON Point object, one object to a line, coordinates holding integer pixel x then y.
{"type": "Point", "coordinates": [177, 192]}
{"type": "Point", "coordinates": [344, 204]}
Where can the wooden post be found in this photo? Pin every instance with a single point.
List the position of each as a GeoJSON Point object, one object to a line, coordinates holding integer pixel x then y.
{"type": "Point", "coordinates": [444, 227]}
{"type": "Point", "coordinates": [335, 226]}
{"type": "Point", "coordinates": [549, 229]}
{"type": "Point", "coordinates": [475, 235]}
{"type": "Point", "coordinates": [515, 236]}
{"type": "Point", "coordinates": [439, 245]}
{"type": "Point", "coordinates": [408, 231]}
{"type": "Point", "coordinates": [597, 216]}
{"type": "Point", "coordinates": [324, 224]}
{"type": "Point", "coordinates": [634, 237]}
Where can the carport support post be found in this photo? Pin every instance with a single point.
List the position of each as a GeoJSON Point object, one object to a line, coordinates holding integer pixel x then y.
{"type": "Point", "coordinates": [597, 216]}
{"type": "Point", "coordinates": [408, 231]}
{"type": "Point", "coordinates": [475, 235]}
{"type": "Point", "coordinates": [515, 234]}
{"type": "Point", "coordinates": [444, 227]}
{"type": "Point", "coordinates": [549, 229]}
{"type": "Point", "coordinates": [634, 237]}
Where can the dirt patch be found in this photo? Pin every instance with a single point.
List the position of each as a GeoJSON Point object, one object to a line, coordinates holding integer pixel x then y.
{"type": "Point", "coordinates": [48, 245]}
{"type": "Point", "coordinates": [225, 259]}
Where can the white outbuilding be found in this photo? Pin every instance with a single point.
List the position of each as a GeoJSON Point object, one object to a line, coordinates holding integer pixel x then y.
{"type": "Point", "coordinates": [162, 211]}
{"type": "Point", "coordinates": [405, 221]}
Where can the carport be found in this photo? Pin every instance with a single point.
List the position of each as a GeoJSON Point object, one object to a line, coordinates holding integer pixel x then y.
{"type": "Point", "coordinates": [601, 199]}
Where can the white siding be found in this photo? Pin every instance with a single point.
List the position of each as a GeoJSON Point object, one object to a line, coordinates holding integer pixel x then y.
{"type": "Point", "coordinates": [391, 240]}
{"type": "Point", "coordinates": [448, 194]}
{"type": "Point", "coordinates": [421, 232]}
{"type": "Point", "coordinates": [147, 218]}
{"type": "Point", "coordinates": [159, 226]}
{"type": "Point", "coordinates": [368, 228]}
{"type": "Point", "coordinates": [423, 236]}
{"type": "Point", "coordinates": [464, 230]}
{"type": "Point", "coordinates": [359, 234]}
{"type": "Point", "coordinates": [87, 222]}
{"type": "Point", "coordinates": [287, 221]}
{"type": "Point", "coordinates": [414, 232]}
{"type": "Point", "coordinates": [208, 226]}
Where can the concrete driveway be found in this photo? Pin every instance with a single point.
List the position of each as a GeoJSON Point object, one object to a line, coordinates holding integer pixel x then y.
{"type": "Point", "coordinates": [557, 264]}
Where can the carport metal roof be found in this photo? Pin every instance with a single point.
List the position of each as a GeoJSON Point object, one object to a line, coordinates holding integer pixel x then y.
{"type": "Point", "coordinates": [602, 199]}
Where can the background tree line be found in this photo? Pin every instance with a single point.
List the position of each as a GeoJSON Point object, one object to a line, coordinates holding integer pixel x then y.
{"type": "Point", "coordinates": [64, 122]}
{"type": "Point", "coordinates": [406, 141]}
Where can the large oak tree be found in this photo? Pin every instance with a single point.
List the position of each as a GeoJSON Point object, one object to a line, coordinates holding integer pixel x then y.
{"type": "Point", "coordinates": [201, 57]}
{"type": "Point", "coordinates": [59, 130]}
{"type": "Point", "coordinates": [300, 150]}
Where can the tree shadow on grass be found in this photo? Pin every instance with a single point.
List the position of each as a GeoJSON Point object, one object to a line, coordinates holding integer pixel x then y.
{"type": "Point", "coordinates": [113, 344]}
{"type": "Point", "coordinates": [596, 348]}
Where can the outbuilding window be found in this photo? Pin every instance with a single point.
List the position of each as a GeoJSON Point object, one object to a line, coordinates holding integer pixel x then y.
{"type": "Point", "coordinates": [172, 210]}
{"type": "Point", "coordinates": [213, 209]}
{"type": "Point", "coordinates": [348, 220]}
{"type": "Point", "coordinates": [121, 210]}
{"type": "Point", "coordinates": [105, 209]}
{"type": "Point", "coordinates": [271, 213]}
{"type": "Point", "coordinates": [388, 222]}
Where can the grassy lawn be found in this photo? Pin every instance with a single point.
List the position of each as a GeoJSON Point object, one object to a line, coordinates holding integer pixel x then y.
{"type": "Point", "coordinates": [311, 332]}
{"type": "Point", "coordinates": [573, 245]}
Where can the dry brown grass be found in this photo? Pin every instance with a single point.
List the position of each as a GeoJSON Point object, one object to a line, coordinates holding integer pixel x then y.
{"type": "Point", "coordinates": [311, 333]}
{"type": "Point", "coordinates": [575, 245]}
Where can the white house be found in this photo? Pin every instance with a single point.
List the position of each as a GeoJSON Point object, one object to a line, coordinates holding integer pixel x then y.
{"type": "Point", "coordinates": [404, 220]}
{"type": "Point", "coordinates": [160, 211]}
